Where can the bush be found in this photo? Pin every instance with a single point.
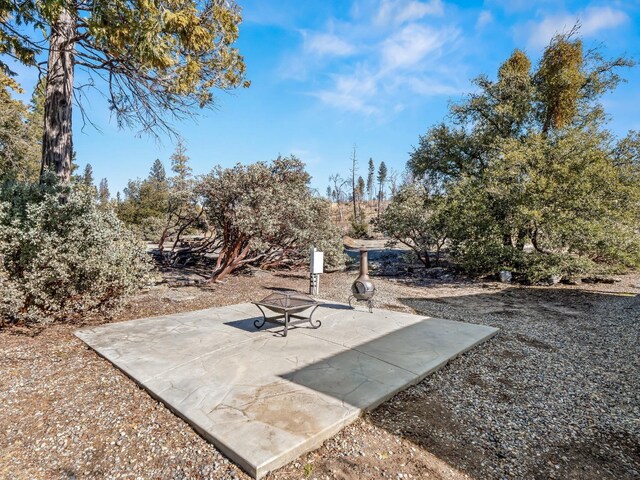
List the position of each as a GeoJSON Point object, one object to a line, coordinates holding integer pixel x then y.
{"type": "Point", "coordinates": [541, 267]}
{"type": "Point", "coordinates": [61, 255]}
{"type": "Point", "coordinates": [359, 227]}
{"type": "Point", "coordinates": [412, 219]}
{"type": "Point", "coordinates": [265, 215]}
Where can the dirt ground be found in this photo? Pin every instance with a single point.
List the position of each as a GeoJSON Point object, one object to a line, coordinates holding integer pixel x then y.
{"type": "Point", "coordinates": [554, 395]}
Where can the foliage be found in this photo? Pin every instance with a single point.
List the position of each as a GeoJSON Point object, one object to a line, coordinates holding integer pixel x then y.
{"type": "Point", "coordinates": [103, 193]}
{"type": "Point", "coordinates": [527, 165]}
{"type": "Point", "coordinates": [382, 178]}
{"type": "Point", "coordinates": [61, 255]}
{"type": "Point", "coordinates": [146, 203]}
{"type": "Point", "coordinates": [359, 226]}
{"type": "Point", "coordinates": [20, 133]}
{"type": "Point", "coordinates": [160, 58]}
{"type": "Point", "coordinates": [264, 214]}
{"type": "Point", "coordinates": [409, 219]}
{"type": "Point", "coordinates": [371, 179]}
{"type": "Point", "coordinates": [184, 212]}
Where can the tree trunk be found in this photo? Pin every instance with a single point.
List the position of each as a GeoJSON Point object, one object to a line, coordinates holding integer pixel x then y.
{"type": "Point", "coordinates": [57, 145]}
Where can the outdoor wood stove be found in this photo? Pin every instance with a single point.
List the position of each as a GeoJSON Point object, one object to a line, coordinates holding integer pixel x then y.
{"type": "Point", "coordinates": [363, 289]}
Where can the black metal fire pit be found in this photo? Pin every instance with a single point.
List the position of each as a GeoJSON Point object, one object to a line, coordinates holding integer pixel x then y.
{"type": "Point", "coordinates": [363, 289]}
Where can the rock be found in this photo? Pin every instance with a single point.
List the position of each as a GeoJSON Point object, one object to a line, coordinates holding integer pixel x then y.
{"type": "Point", "coordinates": [505, 276]}
{"type": "Point", "coordinates": [551, 280]}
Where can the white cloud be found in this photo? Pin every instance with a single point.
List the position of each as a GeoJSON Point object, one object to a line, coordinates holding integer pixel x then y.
{"type": "Point", "coordinates": [592, 20]}
{"type": "Point", "coordinates": [603, 18]}
{"type": "Point", "coordinates": [378, 56]}
{"type": "Point", "coordinates": [327, 44]}
{"type": "Point", "coordinates": [484, 19]}
{"type": "Point", "coordinates": [395, 12]}
{"type": "Point", "coordinates": [433, 87]}
{"type": "Point", "coordinates": [351, 93]}
{"type": "Point", "coordinates": [410, 45]}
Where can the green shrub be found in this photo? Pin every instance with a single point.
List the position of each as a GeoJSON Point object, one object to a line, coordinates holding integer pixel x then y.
{"type": "Point", "coordinates": [359, 227]}
{"type": "Point", "coordinates": [61, 255]}
{"type": "Point", "coordinates": [541, 267]}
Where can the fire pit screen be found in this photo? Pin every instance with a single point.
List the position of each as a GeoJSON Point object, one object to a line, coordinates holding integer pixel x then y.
{"type": "Point", "coordinates": [287, 305]}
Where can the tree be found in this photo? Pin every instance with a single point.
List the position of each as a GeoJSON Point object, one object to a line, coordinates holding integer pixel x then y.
{"type": "Point", "coordinates": [87, 177]}
{"type": "Point", "coordinates": [157, 172]}
{"type": "Point", "coordinates": [382, 178]}
{"type": "Point", "coordinates": [103, 193]}
{"type": "Point", "coordinates": [146, 203]}
{"type": "Point", "coordinates": [527, 161]}
{"type": "Point", "coordinates": [155, 61]}
{"type": "Point", "coordinates": [371, 179]}
{"type": "Point", "coordinates": [183, 209]}
{"type": "Point", "coordinates": [354, 185]}
{"type": "Point", "coordinates": [180, 162]}
{"type": "Point", "coordinates": [338, 190]}
{"type": "Point", "coordinates": [409, 219]}
{"type": "Point", "coordinates": [393, 182]}
{"type": "Point", "coordinates": [264, 214]}
{"type": "Point", "coordinates": [20, 133]}
{"type": "Point", "coordinates": [360, 189]}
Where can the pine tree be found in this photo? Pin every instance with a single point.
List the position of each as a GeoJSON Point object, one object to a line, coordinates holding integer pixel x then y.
{"type": "Point", "coordinates": [180, 162]}
{"type": "Point", "coordinates": [382, 178]}
{"type": "Point", "coordinates": [371, 179]}
{"type": "Point", "coordinates": [157, 172]}
{"type": "Point", "coordinates": [159, 60]}
{"type": "Point", "coordinates": [103, 193]}
{"type": "Point", "coordinates": [87, 177]}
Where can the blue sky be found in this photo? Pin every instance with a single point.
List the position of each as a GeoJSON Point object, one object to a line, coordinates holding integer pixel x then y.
{"type": "Point", "coordinates": [328, 75]}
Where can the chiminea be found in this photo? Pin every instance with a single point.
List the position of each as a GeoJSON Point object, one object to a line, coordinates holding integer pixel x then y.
{"type": "Point", "coordinates": [362, 289]}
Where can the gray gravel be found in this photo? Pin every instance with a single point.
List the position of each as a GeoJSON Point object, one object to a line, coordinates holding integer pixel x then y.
{"type": "Point", "coordinates": [554, 395]}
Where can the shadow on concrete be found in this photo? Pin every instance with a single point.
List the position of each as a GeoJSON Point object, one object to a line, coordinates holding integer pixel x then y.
{"type": "Point", "coordinates": [368, 374]}
{"type": "Point", "coordinates": [246, 324]}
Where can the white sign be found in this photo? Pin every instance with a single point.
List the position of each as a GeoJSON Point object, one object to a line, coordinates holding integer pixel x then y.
{"type": "Point", "coordinates": [317, 261]}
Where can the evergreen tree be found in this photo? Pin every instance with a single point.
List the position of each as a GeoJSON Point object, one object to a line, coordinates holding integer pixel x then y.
{"type": "Point", "coordinates": [382, 178]}
{"type": "Point", "coordinates": [360, 188]}
{"type": "Point", "coordinates": [157, 172]}
{"type": "Point", "coordinates": [87, 177]}
{"type": "Point", "coordinates": [371, 179]}
{"type": "Point", "coordinates": [103, 193]}
{"type": "Point", "coordinates": [180, 162]}
{"type": "Point", "coordinates": [161, 59]}
{"type": "Point", "coordinates": [20, 133]}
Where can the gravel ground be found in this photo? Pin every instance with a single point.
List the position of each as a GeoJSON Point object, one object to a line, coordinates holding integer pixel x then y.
{"type": "Point", "coordinates": [554, 395]}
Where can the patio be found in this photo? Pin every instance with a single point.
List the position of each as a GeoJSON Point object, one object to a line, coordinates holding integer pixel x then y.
{"type": "Point", "coordinates": [264, 399]}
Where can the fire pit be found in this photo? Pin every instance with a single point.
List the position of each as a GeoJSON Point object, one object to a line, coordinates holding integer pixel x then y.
{"type": "Point", "coordinates": [286, 305]}
{"type": "Point", "coordinates": [363, 289]}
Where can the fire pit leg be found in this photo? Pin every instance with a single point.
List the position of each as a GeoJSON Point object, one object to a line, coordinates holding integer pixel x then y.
{"type": "Point", "coordinates": [318, 322]}
{"type": "Point", "coordinates": [256, 323]}
{"type": "Point", "coordinates": [286, 323]}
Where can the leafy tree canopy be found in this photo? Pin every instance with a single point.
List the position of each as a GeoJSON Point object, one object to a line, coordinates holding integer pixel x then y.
{"type": "Point", "coordinates": [529, 179]}
{"type": "Point", "coordinates": [152, 58]}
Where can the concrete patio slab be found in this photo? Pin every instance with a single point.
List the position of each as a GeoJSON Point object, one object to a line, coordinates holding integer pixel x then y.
{"type": "Point", "coordinates": [264, 399]}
